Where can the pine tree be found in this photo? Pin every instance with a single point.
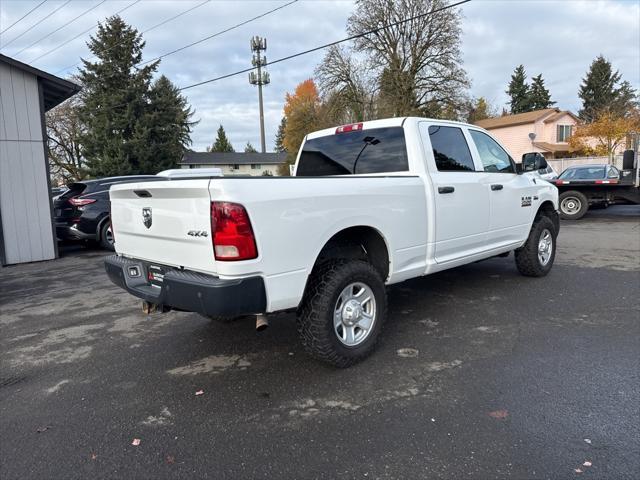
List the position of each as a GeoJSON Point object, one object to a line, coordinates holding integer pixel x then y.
{"type": "Point", "coordinates": [602, 90]}
{"type": "Point", "coordinates": [539, 96]}
{"type": "Point", "coordinates": [248, 148]}
{"type": "Point", "coordinates": [222, 143]}
{"type": "Point", "coordinates": [164, 131]}
{"type": "Point", "coordinates": [518, 91]}
{"type": "Point", "coordinates": [279, 145]}
{"type": "Point", "coordinates": [114, 97]}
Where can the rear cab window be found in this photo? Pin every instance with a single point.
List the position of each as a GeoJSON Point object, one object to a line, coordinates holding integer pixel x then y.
{"type": "Point", "coordinates": [357, 152]}
{"type": "Point", "coordinates": [450, 149]}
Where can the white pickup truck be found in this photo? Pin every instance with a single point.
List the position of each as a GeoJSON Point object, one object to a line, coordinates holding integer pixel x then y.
{"type": "Point", "coordinates": [369, 204]}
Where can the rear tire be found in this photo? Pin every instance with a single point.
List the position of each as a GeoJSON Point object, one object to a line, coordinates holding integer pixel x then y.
{"type": "Point", "coordinates": [106, 236]}
{"type": "Point", "coordinates": [342, 312]}
{"type": "Point", "coordinates": [535, 258]}
{"type": "Point", "coordinates": [573, 205]}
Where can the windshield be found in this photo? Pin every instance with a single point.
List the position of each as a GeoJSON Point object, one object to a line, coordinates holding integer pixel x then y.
{"type": "Point", "coordinates": [584, 173]}
{"type": "Point", "coordinates": [376, 150]}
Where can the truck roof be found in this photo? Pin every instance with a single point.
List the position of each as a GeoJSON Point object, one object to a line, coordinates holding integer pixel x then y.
{"type": "Point", "coordinates": [385, 123]}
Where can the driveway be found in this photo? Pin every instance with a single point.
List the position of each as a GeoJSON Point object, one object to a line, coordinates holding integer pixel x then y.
{"type": "Point", "coordinates": [481, 373]}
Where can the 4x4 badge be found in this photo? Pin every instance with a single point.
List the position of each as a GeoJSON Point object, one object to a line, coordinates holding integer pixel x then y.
{"type": "Point", "coordinates": [146, 217]}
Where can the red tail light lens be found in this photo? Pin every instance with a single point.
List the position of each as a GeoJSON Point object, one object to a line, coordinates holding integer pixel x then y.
{"type": "Point", "coordinates": [79, 202]}
{"type": "Point", "coordinates": [349, 128]}
{"type": "Point", "coordinates": [232, 235]}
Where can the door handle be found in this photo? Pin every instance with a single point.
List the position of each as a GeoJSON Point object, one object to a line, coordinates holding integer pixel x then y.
{"type": "Point", "coordinates": [446, 189]}
{"type": "Point", "coordinates": [496, 186]}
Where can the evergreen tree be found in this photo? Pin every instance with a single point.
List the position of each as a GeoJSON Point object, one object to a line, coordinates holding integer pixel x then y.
{"type": "Point", "coordinates": [479, 109]}
{"type": "Point", "coordinates": [222, 143]}
{"type": "Point", "coordinates": [249, 148]}
{"type": "Point", "coordinates": [279, 146]}
{"type": "Point", "coordinates": [164, 131]}
{"type": "Point", "coordinates": [539, 96]}
{"type": "Point", "coordinates": [518, 91]}
{"type": "Point", "coordinates": [602, 90]}
{"type": "Point", "coordinates": [115, 98]}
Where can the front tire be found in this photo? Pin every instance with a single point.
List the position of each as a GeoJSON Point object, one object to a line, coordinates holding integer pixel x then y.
{"type": "Point", "coordinates": [573, 205]}
{"type": "Point", "coordinates": [535, 258]}
{"type": "Point", "coordinates": [342, 312]}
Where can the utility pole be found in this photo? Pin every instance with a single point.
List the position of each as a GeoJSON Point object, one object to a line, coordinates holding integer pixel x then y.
{"type": "Point", "coordinates": [259, 78]}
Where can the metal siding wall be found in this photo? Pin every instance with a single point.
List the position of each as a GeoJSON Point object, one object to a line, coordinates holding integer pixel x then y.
{"type": "Point", "coordinates": [24, 195]}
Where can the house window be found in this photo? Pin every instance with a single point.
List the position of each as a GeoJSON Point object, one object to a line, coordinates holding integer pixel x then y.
{"type": "Point", "coordinates": [256, 166]}
{"type": "Point", "coordinates": [564, 132]}
{"type": "Point", "coordinates": [236, 166]}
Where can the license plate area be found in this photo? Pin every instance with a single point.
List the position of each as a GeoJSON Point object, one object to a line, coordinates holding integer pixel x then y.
{"type": "Point", "coordinates": [155, 275]}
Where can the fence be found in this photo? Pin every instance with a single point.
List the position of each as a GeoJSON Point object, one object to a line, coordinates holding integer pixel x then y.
{"type": "Point", "coordinates": [560, 164]}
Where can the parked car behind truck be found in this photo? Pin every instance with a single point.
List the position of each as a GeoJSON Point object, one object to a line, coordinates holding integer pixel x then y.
{"type": "Point", "coordinates": [371, 204]}
{"type": "Point", "coordinates": [587, 186]}
{"type": "Point", "coordinates": [82, 211]}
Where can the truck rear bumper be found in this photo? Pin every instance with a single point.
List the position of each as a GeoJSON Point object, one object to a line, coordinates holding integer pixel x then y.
{"type": "Point", "coordinates": [188, 291]}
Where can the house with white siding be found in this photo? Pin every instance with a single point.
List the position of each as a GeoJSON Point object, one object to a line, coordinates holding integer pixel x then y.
{"type": "Point", "coordinates": [236, 163]}
{"type": "Point", "coordinates": [545, 131]}
{"type": "Point", "coordinates": [26, 210]}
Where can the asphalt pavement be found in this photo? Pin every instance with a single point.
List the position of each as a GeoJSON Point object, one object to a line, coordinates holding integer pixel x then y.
{"type": "Point", "coordinates": [481, 373]}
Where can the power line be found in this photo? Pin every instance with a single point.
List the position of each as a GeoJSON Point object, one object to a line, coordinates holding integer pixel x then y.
{"type": "Point", "coordinates": [61, 27]}
{"type": "Point", "coordinates": [81, 33]}
{"type": "Point", "coordinates": [289, 57]}
{"type": "Point", "coordinates": [143, 32]}
{"type": "Point", "coordinates": [23, 17]}
{"type": "Point", "coordinates": [321, 47]}
{"type": "Point", "coordinates": [49, 15]}
{"type": "Point", "coordinates": [217, 33]}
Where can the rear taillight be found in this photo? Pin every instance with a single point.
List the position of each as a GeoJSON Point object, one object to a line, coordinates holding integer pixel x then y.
{"type": "Point", "coordinates": [79, 202]}
{"type": "Point", "coordinates": [231, 232]}
{"type": "Point", "coordinates": [349, 128]}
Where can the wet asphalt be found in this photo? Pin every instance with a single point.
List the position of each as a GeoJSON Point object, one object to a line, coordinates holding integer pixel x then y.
{"type": "Point", "coordinates": [480, 373]}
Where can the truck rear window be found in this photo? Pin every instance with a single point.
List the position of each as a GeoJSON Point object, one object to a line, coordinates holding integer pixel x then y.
{"type": "Point", "coordinates": [377, 150]}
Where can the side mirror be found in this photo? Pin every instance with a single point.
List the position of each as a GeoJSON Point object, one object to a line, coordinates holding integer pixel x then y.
{"type": "Point", "coordinates": [533, 161]}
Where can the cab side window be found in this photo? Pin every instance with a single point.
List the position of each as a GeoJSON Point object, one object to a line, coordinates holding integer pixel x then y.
{"type": "Point", "coordinates": [494, 158]}
{"type": "Point", "coordinates": [450, 149]}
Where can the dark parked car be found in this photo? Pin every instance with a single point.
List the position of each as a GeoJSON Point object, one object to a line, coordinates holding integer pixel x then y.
{"type": "Point", "coordinates": [82, 212]}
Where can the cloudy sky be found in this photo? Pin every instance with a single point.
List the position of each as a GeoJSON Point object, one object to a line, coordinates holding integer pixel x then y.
{"type": "Point", "coordinates": [556, 38]}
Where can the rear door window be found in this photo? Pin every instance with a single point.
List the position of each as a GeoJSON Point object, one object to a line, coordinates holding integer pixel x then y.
{"type": "Point", "coordinates": [450, 149]}
{"type": "Point", "coordinates": [377, 150]}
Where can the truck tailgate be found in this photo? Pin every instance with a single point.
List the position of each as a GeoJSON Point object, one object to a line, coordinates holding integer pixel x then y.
{"type": "Point", "coordinates": [168, 223]}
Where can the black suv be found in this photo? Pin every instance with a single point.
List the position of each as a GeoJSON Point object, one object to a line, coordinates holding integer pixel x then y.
{"type": "Point", "coordinates": [82, 212]}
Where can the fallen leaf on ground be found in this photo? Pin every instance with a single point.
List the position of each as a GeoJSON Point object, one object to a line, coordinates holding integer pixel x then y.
{"type": "Point", "coordinates": [93, 456]}
{"type": "Point", "coordinates": [577, 470]}
{"type": "Point", "coordinates": [43, 429]}
{"type": "Point", "coordinates": [407, 352]}
{"type": "Point", "coordinates": [588, 441]}
{"type": "Point", "coordinates": [586, 463]}
{"type": "Point", "coordinates": [136, 442]}
{"type": "Point", "coordinates": [499, 414]}
{"type": "Point", "coordinates": [200, 392]}
{"type": "Point", "coordinates": [171, 459]}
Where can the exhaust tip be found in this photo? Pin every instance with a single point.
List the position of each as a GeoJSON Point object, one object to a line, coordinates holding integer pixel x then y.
{"type": "Point", "coordinates": [262, 322]}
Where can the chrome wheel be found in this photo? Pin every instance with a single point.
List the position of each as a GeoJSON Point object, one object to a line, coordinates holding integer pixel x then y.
{"type": "Point", "coordinates": [545, 247]}
{"type": "Point", "coordinates": [108, 235]}
{"type": "Point", "coordinates": [354, 314]}
{"type": "Point", "coordinates": [570, 205]}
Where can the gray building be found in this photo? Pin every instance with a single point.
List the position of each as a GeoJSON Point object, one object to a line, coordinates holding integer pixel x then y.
{"type": "Point", "coordinates": [236, 163]}
{"type": "Point", "coordinates": [26, 223]}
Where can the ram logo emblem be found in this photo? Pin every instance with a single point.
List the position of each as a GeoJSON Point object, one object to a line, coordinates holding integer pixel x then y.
{"type": "Point", "coordinates": [146, 217]}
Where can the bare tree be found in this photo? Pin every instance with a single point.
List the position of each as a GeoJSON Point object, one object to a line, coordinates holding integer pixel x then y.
{"type": "Point", "coordinates": [64, 130]}
{"type": "Point", "coordinates": [348, 89]}
{"type": "Point", "coordinates": [418, 64]}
